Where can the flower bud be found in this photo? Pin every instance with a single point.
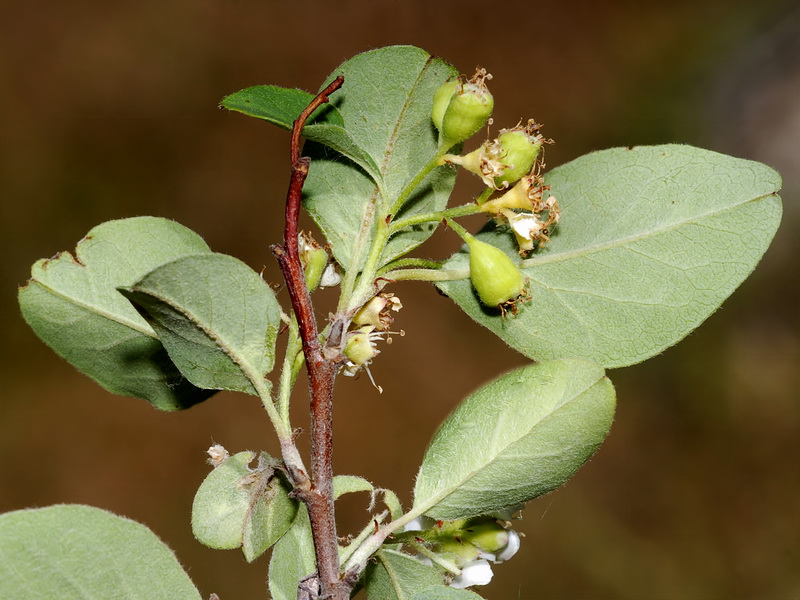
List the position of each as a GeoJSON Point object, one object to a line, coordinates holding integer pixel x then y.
{"type": "Point", "coordinates": [314, 260]}
{"type": "Point", "coordinates": [468, 110]}
{"type": "Point", "coordinates": [486, 534]}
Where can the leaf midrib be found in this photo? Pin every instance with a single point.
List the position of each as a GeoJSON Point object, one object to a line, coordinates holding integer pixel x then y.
{"type": "Point", "coordinates": [535, 262]}
{"type": "Point", "coordinates": [364, 233]}
{"type": "Point", "coordinates": [97, 311]}
{"type": "Point", "coordinates": [242, 363]}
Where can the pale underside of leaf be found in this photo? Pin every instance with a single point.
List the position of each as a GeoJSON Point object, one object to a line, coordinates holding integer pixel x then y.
{"type": "Point", "coordinates": [84, 553]}
{"type": "Point", "coordinates": [72, 303]}
{"type": "Point", "coordinates": [292, 558]}
{"type": "Point", "coordinates": [651, 241]}
{"type": "Point", "coordinates": [216, 317]}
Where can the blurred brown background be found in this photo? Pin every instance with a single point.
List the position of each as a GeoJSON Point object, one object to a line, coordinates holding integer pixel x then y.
{"type": "Point", "coordinates": [108, 110]}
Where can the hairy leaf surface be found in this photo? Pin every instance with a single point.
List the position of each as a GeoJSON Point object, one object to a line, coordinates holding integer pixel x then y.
{"type": "Point", "coordinates": [73, 305]}
{"type": "Point", "coordinates": [292, 558]}
{"type": "Point", "coordinates": [84, 553]}
{"type": "Point", "coordinates": [385, 102]}
{"type": "Point", "coordinates": [216, 317]}
{"type": "Point", "coordinates": [515, 439]}
{"type": "Point", "coordinates": [398, 576]}
{"type": "Point", "coordinates": [239, 506]}
{"type": "Point", "coordinates": [651, 241]}
{"type": "Point", "coordinates": [281, 106]}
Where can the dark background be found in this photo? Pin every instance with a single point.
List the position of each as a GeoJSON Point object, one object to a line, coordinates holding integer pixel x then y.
{"type": "Point", "coordinates": [108, 110]}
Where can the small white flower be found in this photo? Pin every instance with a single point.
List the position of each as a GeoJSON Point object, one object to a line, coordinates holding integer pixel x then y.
{"type": "Point", "coordinates": [477, 572]}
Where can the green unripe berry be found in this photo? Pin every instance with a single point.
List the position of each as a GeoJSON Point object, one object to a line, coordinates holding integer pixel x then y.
{"type": "Point", "coordinates": [461, 109]}
{"type": "Point", "coordinates": [494, 276]}
{"type": "Point", "coordinates": [496, 279]}
{"type": "Point", "coordinates": [441, 99]}
{"type": "Point", "coordinates": [519, 152]}
{"type": "Point", "coordinates": [468, 111]}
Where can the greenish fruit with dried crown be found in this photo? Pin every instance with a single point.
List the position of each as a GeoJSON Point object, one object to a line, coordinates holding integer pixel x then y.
{"type": "Point", "coordinates": [494, 276]}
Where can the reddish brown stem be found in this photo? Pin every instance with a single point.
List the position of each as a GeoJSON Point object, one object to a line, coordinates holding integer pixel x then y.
{"type": "Point", "coordinates": [317, 493]}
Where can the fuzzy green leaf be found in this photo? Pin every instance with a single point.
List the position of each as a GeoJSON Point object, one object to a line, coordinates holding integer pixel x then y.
{"type": "Point", "coordinates": [292, 559]}
{"type": "Point", "coordinates": [216, 317]}
{"type": "Point", "coordinates": [515, 439]}
{"type": "Point", "coordinates": [398, 576]}
{"type": "Point", "coordinates": [242, 506]}
{"type": "Point", "coordinates": [386, 102]}
{"type": "Point", "coordinates": [349, 484]}
{"type": "Point", "coordinates": [281, 106]}
{"type": "Point", "coordinates": [651, 241]}
{"type": "Point", "coordinates": [73, 305]}
{"type": "Point", "coordinates": [84, 553]}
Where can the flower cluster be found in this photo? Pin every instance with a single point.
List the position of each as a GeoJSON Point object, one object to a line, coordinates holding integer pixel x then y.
{"type": "Point", "coordinates": [370, 325]}
{"type": "Point", "coordinates": [467, 546]}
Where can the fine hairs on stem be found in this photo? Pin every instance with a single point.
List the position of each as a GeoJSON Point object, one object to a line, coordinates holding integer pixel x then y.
{"type": "Point", "coordinates": [315, 491]}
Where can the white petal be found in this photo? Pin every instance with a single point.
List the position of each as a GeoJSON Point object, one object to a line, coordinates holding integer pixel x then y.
{"type": "Point", "coordinates": [329, 277]}
{"type": "Point", "coordinates": [419, 524]}
{"type": "Point", "coordinates": [511, 548]}
{"type": "Point", "coordinates": [525, 224]}
{"type": "Point", "coordinates": [478, 572]}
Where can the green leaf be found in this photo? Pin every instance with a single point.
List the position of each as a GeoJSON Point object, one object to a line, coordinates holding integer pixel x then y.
{"type": "Point", "coordinates": [651, 241]}
{"type": "Point", "coordinates": [398, 576]}
{"type": "Point", "coordinates": [515, 439]}
{"type": "Point", "coordinates": [242, 506]}
{"type": "Point", "coordinates": [293, 559]}
{"type": "Point", "coordinates": [73, 305]}
{"type": "Point", "coordinates": [216, 317]}
{"type": "Point", "coordinates": [385, 101]}
{"type": "Point", "coordinates": [445, 593]}
{"type": "Point", "coordinates": [281, 106]}
{"type": "Point", "coordinates": [349, 484]}
{"type": "Point", "coordinates": [84, 553]}
{"type": "Point", "coordinates": [392, 503]}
